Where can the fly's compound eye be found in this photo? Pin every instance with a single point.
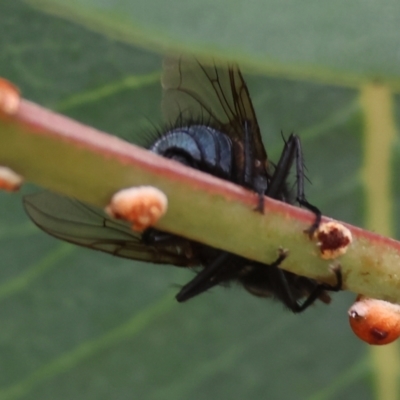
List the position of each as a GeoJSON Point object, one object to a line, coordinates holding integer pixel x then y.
{"type": "Point", "coordinates": [143, 206]}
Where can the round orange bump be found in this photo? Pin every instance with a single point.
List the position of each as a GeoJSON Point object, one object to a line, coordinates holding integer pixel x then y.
{"type": "Point", "coordinates": [143, 206]}
{"type": "Point", "coordinates": [375, 321]}
{"type": "Point", "coordinates": [333, 239]}
{"type": "Point", "coordinates": [9, 180]}
{"type": "Point", "coordinates": [9, 97]}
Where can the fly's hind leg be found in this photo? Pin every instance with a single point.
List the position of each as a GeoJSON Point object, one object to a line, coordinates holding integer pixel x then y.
{"type": "Point", "coordinates": [301, 198]}
{"type": "Point", "coordinates": [291, 151]}
{"type": "Point", "coordinates": [204, 280]}
{"type": "Point", "coordinates": [320, 288]}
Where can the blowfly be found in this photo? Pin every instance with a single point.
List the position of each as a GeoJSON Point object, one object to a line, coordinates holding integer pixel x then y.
{"type": "Point", "coordinates": [213, 128]}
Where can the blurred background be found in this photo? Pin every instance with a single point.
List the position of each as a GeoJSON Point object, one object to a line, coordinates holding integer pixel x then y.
{"type": "Point", "coordinates": [76, 324]}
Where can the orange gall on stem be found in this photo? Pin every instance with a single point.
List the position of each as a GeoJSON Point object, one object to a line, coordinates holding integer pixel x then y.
{"type": "Point", "coordinates": [374, 321]}
{"type": "Point", "coordinates": [143, 206]}
{"type": "Point", "coordinates": [9, 98]}
{"type": "Point", "coordinates": [9, 180]}
{"type": "Point", "coordinates": [333, 239]}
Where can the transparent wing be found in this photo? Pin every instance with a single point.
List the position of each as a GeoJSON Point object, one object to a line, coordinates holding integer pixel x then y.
{"type": "Point", "coordinates": [68, 219]}
{"type": "Point", "coordinates": [193, 92]}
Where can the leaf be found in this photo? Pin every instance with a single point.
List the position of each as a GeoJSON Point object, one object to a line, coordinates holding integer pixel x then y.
{"type": "Point", "coordinates": [81, 324]}
{"type": "Point", "coordinates": [335, 41]}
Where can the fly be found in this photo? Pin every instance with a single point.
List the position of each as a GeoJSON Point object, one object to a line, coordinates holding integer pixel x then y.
{"type": "Point", "coordinates": [213, 129]}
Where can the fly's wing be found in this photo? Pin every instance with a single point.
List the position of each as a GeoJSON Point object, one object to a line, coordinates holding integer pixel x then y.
{"type": "Point", "coordinates": [68, 219]}
{"type": "Point", "coordinates": [193, 92]}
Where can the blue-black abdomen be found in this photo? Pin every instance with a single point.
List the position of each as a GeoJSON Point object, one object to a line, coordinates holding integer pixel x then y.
{"type": "Point", "coordinates": [200, 147]}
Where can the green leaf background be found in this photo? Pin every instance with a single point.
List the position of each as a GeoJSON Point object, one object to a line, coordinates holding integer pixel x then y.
{"type": "Point", "coordinates": [76, 324]}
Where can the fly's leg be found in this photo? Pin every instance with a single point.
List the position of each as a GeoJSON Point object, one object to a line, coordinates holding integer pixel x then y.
{"type": "Point", "coordinates": [319, 289]}
{"type": "Point", "coordinates": [266, 280]}
{"type": "Point", "coordinates": [292, 151]}
{"type": "Point", "coordinates": [283, 291]}
{"type": "Point", "coordinates": [301, 198]}
{"type": "Point", "coordinates": [204, 280]}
